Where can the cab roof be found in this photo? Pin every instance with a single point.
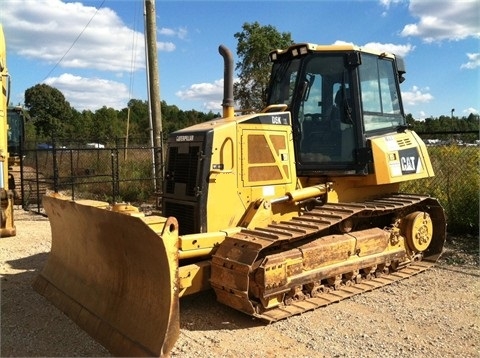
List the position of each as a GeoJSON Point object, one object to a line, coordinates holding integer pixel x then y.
{"type": "Point", "coordinates": [302, 48]}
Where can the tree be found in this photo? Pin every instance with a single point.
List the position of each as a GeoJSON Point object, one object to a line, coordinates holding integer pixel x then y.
{"type": "Point", "coordinates": [410, 120]}
{"type": "Point", "coordinates": [49, 109]}
{"type": "Point", "coordinates": [139, 121]}
{"type": "Point", "coordinates": [77, 127]}
{"type": "Point", "coordinates": [254, 44]}
{"type": "Point", "coordinates": [107, 125]}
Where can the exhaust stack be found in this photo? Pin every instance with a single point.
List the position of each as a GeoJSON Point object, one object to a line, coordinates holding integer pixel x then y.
{"type": "Point", "coordinates": [228, 103]}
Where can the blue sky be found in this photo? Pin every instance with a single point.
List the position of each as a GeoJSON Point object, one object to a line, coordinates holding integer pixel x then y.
{"type": "Point", "coordinates": [93, 50]}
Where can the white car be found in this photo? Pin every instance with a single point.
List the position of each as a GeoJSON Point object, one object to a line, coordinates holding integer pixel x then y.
{"type": "Point", "coordinates": [95, 145]}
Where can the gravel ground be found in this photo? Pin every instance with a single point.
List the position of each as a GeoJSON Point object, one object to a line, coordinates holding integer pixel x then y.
{"type": "Point", "coordinates": [433, 314]}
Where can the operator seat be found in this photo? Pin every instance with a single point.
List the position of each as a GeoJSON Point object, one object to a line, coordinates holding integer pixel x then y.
{"type": "Point", "coordinates": [342, 119]}
{"type": "Point", "coordinates": [343, 102]}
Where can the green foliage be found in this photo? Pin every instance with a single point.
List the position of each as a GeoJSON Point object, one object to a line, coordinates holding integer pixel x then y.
{"type": "Point", "coordinates": [140, 185]}
{"type": "Point", "coordinates": [254, 44]}
{"type": "Point", "coordinates": [136, 120]}
{"type": "Point", "coordinates": [456, 185]}
{"type": "Point", "coordinates": [104, 125]}
{"type": "Point", "coordinates": [48, 109]}
{"type": "Point", "coordinates": [436, 128]}
{"type": "Point", "coordinates": [175, 119]}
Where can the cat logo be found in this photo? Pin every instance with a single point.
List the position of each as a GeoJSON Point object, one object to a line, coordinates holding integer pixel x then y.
{"type": "Point", "coordinates": [410, 161]}
{"type": "Point", "coordinates": [407, 163]}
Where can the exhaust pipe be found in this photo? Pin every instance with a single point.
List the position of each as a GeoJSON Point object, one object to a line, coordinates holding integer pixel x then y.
{"type": "Point", "coordinates": [228, 103]}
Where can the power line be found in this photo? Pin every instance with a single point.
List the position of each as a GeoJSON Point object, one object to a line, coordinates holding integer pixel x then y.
{"type": "Point", "coordinates": [134, 47]}
{"type": "Point", "coordinates": [75, 41]}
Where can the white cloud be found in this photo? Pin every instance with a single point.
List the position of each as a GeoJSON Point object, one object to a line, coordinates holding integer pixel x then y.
{"type": "Point", "coordinates": [400, 50]}
{"type": "Point", "coordinates": [340, 42]}
{"type": "Point", "coordinates": [444, 20]}
{"type": "Point", "coordinates": [206, 92]}
{"type": "Point", "coordinates": [209, 94]}
{"type": "Point", "coordinates": [416, 96]}
{"type": "Point", "coordinates": [473, 61]}
{"type": "Point", "coordinates": [74, 35]}
{"type": "Point", "coordinates": [470, 110]}
{"type": "Point", "coordinates": [87, 93]}
{"type": "Point", "coordinates": [166, 32]}
{"type": "Point", "coordinates": [422, 115]}
{"type": "Point", "coordinates": [181, 32]}
{"type": "Point", "coordinates": [214, 106]}
{"type": "Point", "coordinates": [166, 46]}
{"type": "Point", "coordinates": [387, 3]}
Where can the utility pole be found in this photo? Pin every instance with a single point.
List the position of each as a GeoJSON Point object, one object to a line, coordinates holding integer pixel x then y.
{"type": "Point", "coordinates": [154, 92]}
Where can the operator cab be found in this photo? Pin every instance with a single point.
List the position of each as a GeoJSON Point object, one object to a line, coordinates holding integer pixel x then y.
{"type": "Point", "coordinates": [16, 118]}
{"type": "Point", "coordinates": [338, 96]}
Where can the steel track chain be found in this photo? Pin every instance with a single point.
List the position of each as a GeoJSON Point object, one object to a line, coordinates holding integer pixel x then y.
{"type": "Point", "coordinates": [235, 258]}
{"type": "Point", "coordinates": [344, 292]}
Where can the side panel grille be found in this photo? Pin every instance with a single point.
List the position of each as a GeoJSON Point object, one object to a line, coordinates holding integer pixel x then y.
{"type": "Point", "coordinates": [185, 187]}
{"type": "Point", "coordinates": [185, 215]}
{"type": "Point", "coordinates": [182, 170]}
{"type": "Point", "coordinates": [404, 142]}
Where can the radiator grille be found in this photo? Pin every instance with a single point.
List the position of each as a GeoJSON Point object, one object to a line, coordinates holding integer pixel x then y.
{"type": "Point", "coordinates": [182, 169]}
{"type": "Point", "coordinates": [185, 215]}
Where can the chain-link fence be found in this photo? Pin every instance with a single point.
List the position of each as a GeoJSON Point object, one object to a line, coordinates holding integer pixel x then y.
{"type": "Point", "coordinates": [456, 184]}
{"type": "Point", "coordinates": [113, 173]}
{"type": "Point", "coordinates": [125, 173]}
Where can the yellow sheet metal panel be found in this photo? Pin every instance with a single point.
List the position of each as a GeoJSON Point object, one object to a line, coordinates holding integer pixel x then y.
{"type": "Point", "coordinates": [222, 181]}
{"type": "Point", "coordinates": [400, 157]}
{"type": "Point", "coordinates": [194, 278]}
{"type": "Point", "coordinates": [193, 242]}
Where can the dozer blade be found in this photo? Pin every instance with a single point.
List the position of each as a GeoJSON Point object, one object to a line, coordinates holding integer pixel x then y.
{"type": "Point", "coordinates": [115, 275]}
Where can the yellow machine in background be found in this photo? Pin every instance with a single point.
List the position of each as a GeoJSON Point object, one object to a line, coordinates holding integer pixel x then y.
{"type": "Point", "coordinates": [280, 212]}
{"type": "Point", "coordinates": [7, 227]}
{"type": "Point", "coordinates": [27, 184]}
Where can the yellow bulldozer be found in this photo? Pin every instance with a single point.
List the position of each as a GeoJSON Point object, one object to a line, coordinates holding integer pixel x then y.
{"type": "Point", "coordinates": [280, 212]}
{"type": "Point", "coordinates": [7, 226]}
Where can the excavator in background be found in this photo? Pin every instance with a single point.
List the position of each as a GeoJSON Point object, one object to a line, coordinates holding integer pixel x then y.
{"type": "Point", "coordinates": [27, 184]}
{"type": "Point", "coordinates": [16, 117]}
{"type": "Point", "coordinates": [7, 226]}
{"type": "Point", "coordinates": [280, 212]}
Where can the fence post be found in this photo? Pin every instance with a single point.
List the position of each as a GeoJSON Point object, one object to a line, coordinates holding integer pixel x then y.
{"type": "Point", "coordinates": [55, 166]}
{"type": "Point", "coordinates": [72, 174]}
{"type": "Point", "coordinates": [37, 178]}
{"type": "Point", "coordinates": [115, 174]}
{"type": "Point", "coordinates": [22, 190]}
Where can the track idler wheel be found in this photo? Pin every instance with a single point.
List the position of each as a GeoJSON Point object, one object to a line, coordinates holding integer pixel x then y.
{"type": "Point", "coordinates": [418, 230]}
